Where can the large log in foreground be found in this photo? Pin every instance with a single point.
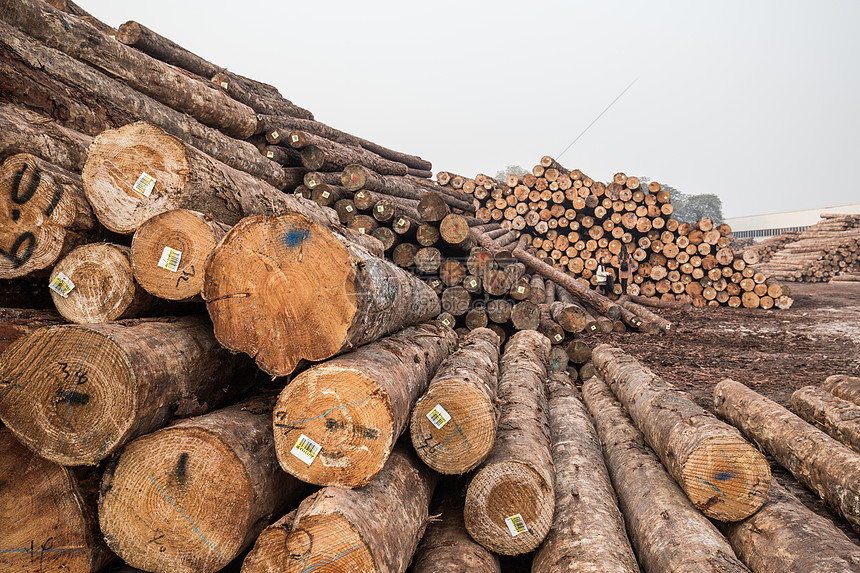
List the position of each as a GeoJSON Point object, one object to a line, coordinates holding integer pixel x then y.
{"type": "Point", "coordinates": [336, 423]}
{"type": "Point", "coordinates": [587, 533]}
{"type": "Point", "coordinates": [668, 533]}
{"type": "Point", "coordinates": [786, 536]}
{"type": "Point", "coordinates": [845, 387]}
{"type": "Point", "coordinates": [839, 418]}
{"type": "Point", "coordinates": [209, 490]}
{"type": "Point", "coordinates": [47, 514]}
{"type": "Point", "coordinates": [284, 288]}
{"type": "Point", "coordinates": [825, 466]}
{"type": "Point", "coordinates": [75, 393]}
{"type": "Point", "coordinates": [510, 500]}
{"type": "Point", "coordinates": [372, 529]}
{"type": "Point", "coordinates": [453, 425]}
{"type": "Point", "coordinates": [722, 474]}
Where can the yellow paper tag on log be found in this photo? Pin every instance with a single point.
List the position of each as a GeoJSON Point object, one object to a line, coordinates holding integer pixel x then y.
{"type": "Point", "coordinates": [144, 184]}
{"type": "Point", "coordinates": [349, 208]}
{"type": "Point", "coordinates": [326, 194]}
{"type": "Point", "coordinates": [270, 154]}
{"type": "Point", "coordinates": [306, 449]}
{"type": "Point", "coordinates": [312, 184]}
{"type": "Point", "coordinates": [516, 525]}
{"type": "Point", "coordinates": [438, 416]}
{"type": "Point", "coordinates": [520, 289]}
{"type": "Point", "coordinates": [380, 208]}
{"type": "Point", "coordinates": [224, 85]}
{"type": "Point", "coordinates": [62, 285]}
{"type": "Point", "coordinates": [170, 259]}
{"type": "Point", "coordinates": [558, 338]}
{"type": "Point", "coordinates": [275, 134]}
{"type": "Point", "coordinates": [295, 138]}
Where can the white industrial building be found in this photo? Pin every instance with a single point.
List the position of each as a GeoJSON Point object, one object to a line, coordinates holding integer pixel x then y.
{"type": "Point", "coordinates": [772, 224]}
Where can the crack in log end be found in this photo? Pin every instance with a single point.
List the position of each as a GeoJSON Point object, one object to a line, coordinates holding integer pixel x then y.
{"type": "Point", "coordinates": [226, 296]}
{"type": "Point", "coordinates": [299, 544]}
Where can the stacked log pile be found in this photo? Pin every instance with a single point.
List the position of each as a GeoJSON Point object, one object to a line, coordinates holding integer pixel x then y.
{"type": "Point", "coordinates": [766, 249]}
{"type": "Point", "coordinates": [821, 252]}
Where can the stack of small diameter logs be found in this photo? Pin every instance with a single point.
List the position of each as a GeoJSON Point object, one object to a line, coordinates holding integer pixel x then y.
{"type": "Point", "coordinates": [819, 253]}
{"type": "Point", "coordinates": [574, 222]}
{"type": "Point", "coordinates": [766, 249]}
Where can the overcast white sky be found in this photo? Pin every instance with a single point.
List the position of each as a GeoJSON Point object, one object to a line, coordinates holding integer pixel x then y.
{"type": "Point", "coordinates": [756, 101]}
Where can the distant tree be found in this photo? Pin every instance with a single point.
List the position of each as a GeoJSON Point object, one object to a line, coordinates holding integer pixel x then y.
{"type": "Point", "coordinates": [691, 208]}
{"type": "Point", "coordinates": [516, 169]}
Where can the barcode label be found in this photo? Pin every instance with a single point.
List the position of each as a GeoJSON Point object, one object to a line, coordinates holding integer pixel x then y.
{"type": "Point", "coordinates": [380, 208]}
{"type": "Point", "coordinates": [446, 321]}
{"type": "Point", "coordinates": [170, 259]}
{"type": "Point", "coordinates": [558, 338]}
{"type": "Point", "coordinates": [224, 85]}
{"type": "Point", "coordinates": [401, 222]}
{"type": "Point", "coordinates": [349, 208]}
{"type": "Point", "coordinates": [516, 525]}
{"type": "Point", "coordinates": [275, 135]}
{"type": "Point", "coordinates": [306, 449]}
{"type": "Point", "coordinates": [312, 184]}
{"type": "Point", "coordinates": [326, 194]}
{"type": "Point", "coordinates": [361, 230]}
{"type": "Point", "coordinates": [270, 154]}
{"type": "Point", "coordinates": [435, 283]}
{"type": "Point", "coordinates": [438, 416]}
{"type": "Point", "coordinates": [62, 285]}
{"type": "Point", "coordinates": [144, 184]}
{"type": "Point", "coordinates": [472, 283]}
{"type": "Point", "coordinates": [521, 289]}
{"type": "Point", "coordinates": [295, 138]}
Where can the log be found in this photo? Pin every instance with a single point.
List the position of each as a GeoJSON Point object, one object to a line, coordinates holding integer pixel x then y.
{"type": "Point", "coordinates": [654, 320]}
{"type": "Point", "coordinates": [48, 520]}
{"type": "Point", "coordinates": [138, 171]}
{"type": "Point", "coordinates": [336, 157]}
{"type": "Point", "coordinates": [845, 387]}
{"type": "Point", "coordinates": [839, 418]}
{"type": "Point", "coordinates": [337, 423]}
{"type": "Point", "coordinates": [75, 393]}
{"type": "Point", "coordinates": [269, 296]}
{"type": "Point", "coordinates": [207, 494]}
{"type": "Point", "coordinates": [821, 463]}
{"type": "Point", "coordinates": [124, 104]}
{"type": "Point", "coordinates": [374, 528]}
{"type": "Point", "coordinates": [453, 424]}
{"type": "Point", "coordinates": [723, 475]}
{"type": "Point", "coordinates": [16, 323]}
{"type": "Point", "coordinates": [656, 513]}
{"type": "Point", "coordinates": [262, 98]}
{"type": "Point", "coordinates": [784, 535]}
{"type": "Point", "coordinates": [138, 36]}
{"type": "Point", "coordinates": [162, 82]}
{"type": "Point", "coordinates": [44, 212]}
{"type": "Point", "coordinates": [525, 315]}
{"type": "Point", "coordinates": [587, 532]}
{"type": "Point", "coordinates": [169, 250]}
{"type": "Point", "coordinates": [356, 177]}
{"type": "Point", "coordinates": [510, 500]}
{"type": "Point", "coordinates": [94, 283]}
{"type": "Point", "coordinates": [570, 317]}
{"type": "Point", "coordinates": [28, 132]}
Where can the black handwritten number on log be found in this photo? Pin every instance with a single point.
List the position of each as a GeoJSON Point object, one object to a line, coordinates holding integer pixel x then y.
{"type": "Point", "coordinates": [185, 275]}
{"type": "Point", "coordinates": [24, 245]}
{"type": "Point", "coordinates": [161, 548]}
{"type": "Point", "coordinates": [13, 254]}
{"type": "Point", "coordinates": [81, 375]}
{"type": "Point", "coordinates": [31, 188]}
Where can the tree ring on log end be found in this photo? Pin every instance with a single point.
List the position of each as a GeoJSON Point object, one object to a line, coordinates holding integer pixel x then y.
{"type": "Point", "coordinates": [117, 161]}
{"type": "Point", "coordinates": [281, 289]}
{"type": "Point", "coordinates": [726, 478]}
{"type": "Point", "coordinates": [347, 414]}
{"type": "Point", "coordinates": [465, 440]}
{"type": "Point", "coordinates": [500, 491]}
{"type": "Point", "coordinates": [69, 393]}
{"type": "Point", "coordinates": [334, 541]}
{"type": "Point", "coordinates": [153, 508]}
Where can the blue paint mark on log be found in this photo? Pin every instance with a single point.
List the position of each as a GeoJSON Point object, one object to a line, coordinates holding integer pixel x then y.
{"type": "Point", "coordinates": [723, 476]}
{"type": "Point", "coordinates": [294, 237]}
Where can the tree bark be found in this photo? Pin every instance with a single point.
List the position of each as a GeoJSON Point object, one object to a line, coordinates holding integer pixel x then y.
{"type": "Point", "coordinates": [453, 425]}
{"type": "Point", "coordinates": [153, 44]}
{"type": "Point", "coordinates": [47, 514]}
{"type": "Point", "coordinates": [787, 537]}
{"type": "Point", "coordinates": [27, 132]}
{"type": "Point", "coordinates": [667, 532]}
{"type": "Point", "coordinates": [45, 215]}
{"type": "Point", "coordinates": [510, 500]}
{"type": "Point", "coordinates": [169, 250]}
{"type": "Point", "coordinates": [160, 81]}
{"type": "Point", "coordinates": [179, 176]}
{"type": "Point", "coordinates": [355, 406]}
{"type": "Point", "coordinates": [16, 323]}
{"type": "Point", "coordinates": [587, 533]}
{"type": "Point", "coordinates": [335, 157]}
{"type": "Point", "coordinates": [190, 497]}
{"type": "Point", "coordinates": [269, 295]}
{"type": "Point", "coordinates": [723, 475]}
{"type": "Point", "coordinates": [652, 321]}
{"type": "Point", "coordinates": [356, 177]}
{"type": "Point", "coordinates": [123, 104]}
{"type": "Point", "coordinates": [837, 417]}
{"type": "Point", "coordinates": [825, 466]}
{"type": "Point", "coordinates": [373, 529]}
{"type": "Point", "coordinates": [75, 393]}
{"type": "Point", "coordinates": [845, 387]}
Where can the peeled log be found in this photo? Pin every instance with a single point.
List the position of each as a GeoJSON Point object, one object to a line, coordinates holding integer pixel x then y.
{"type": "Point", "coordinates": [269, 295]}
{"type": "Point", "coordinates": [147, 75]}
{"type": "Point", "coordinates": [510, 500]}
{"type": "Point", "coordinates": [667, 532]}
{"type": "Point", "coordinates": [137, 171]}
{"type": "Point", "coordinates": [75, 393]}
{"type": "Point", "coordinates": [821, 463]}
{"type": "Point", "coordinates": [44, 212]}
{"type": "Point", "coordinates": [839, 418]}
{"type": "Point", "coordinates": [587, 533]}
{"type": "Point", "coordinates": [190, 497]}
{"type": "Point", "coordinates": [189, 238]}
{"type": "Point", "coordinates": [28, 132]}
{"type": "Point", "coordinates": [785, 536]}
{"type": "Point", "coordinates": [722, 474]}
{"type": "Point", "coordinates": [353, 407]}
{"type": "Point", "coordinates": [372, 529]}
{"type": "Point", "coordinates": [453, 425]}
{"type": "Point", "coordinates": [845, 387]}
